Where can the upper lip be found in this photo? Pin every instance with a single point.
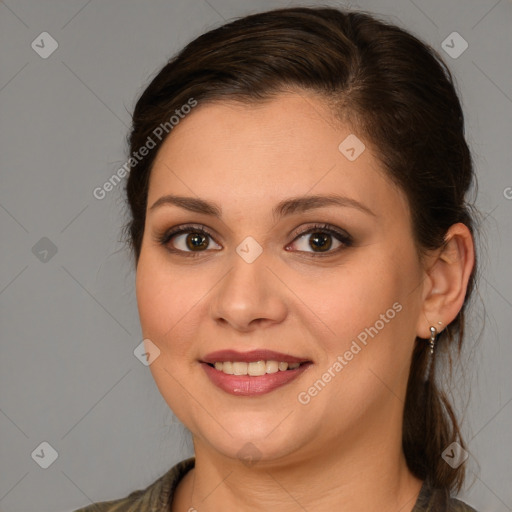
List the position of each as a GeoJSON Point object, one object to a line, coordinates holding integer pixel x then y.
{"type": "Point", "coordinates": [251, 356]}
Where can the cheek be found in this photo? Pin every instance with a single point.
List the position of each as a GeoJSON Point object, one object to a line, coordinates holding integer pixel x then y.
{"type": "Point", "coordinates": [165, 302]}
{"type": "Point", "coordinates": [173, 305]}
{"type": "Point", "coordinates": [163, 298]}
{"type": "Point", "coordinates": [374, 303]}
{"type": "Point", "coordinates": [354, 300]}
{"type": "Point", "coordinates": [162, 295]}
{"type": "Point", "coordinates": [154, 299]}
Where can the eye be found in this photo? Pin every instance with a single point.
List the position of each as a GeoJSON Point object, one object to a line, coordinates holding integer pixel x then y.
{"type": "Point", "coordinates": [320, 240]}
{"type": "Point", "coordinates": [193, 240]}
{"type": "Point", "coordinates": [187, 239]}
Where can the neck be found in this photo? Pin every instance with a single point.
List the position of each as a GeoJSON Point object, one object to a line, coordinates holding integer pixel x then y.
{"type": "Point", "coordinates": [356, 475]}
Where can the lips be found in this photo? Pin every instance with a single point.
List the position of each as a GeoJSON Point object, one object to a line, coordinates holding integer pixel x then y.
{"type": "Point", "coordinates": [252, 385]}
{"type": "Point", "coordinates": [251, 357]}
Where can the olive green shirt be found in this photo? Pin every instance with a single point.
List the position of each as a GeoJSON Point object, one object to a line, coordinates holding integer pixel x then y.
{"type": "Point", "coordinates": [157, 497]}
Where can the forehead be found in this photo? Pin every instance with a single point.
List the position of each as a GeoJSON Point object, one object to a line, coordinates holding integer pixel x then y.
{"type": "Point", "coordinates": [253, 154]}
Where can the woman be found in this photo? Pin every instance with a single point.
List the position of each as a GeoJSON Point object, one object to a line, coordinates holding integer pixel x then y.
{"type": "Point", "coordinates": [304, 255]}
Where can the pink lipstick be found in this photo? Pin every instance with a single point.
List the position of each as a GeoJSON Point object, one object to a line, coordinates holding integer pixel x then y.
{"type": "Point", "coordinates": [252, 373]}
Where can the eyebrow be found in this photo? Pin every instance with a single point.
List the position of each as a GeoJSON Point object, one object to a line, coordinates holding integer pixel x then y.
{"type": "Point", "coordinates": [284, 208]}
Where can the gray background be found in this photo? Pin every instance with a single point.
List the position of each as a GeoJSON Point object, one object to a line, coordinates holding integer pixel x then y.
{"type": "Point", "coordinates": [68, 375]}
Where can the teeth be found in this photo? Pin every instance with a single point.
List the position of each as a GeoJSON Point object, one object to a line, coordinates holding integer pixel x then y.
{"type": "Point", "coordinates": [272, 367]}
{"type": "Point", "coordinates": [226, 367]}
{"type": "Point", "coordinates": [239, 368]}
{"type": "Point", "coordinates": [255, 368]}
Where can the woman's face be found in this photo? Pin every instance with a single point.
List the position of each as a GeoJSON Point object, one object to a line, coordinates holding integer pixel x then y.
{"type": "Point", "coordinates": [345, 299]}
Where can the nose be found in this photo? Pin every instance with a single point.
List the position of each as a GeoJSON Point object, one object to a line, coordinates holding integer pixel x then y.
{"type": "Point", "coordinates": [250, 295]}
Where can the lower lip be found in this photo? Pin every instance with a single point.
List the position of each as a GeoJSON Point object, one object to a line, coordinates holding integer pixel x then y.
{"type": "Point", "coordinates": [246, 385]}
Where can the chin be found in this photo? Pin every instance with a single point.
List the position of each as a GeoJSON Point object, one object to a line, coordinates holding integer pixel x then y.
{"type": "Point", "coordinates": [252, 441]}
{"type": "Point", "coordinates": [252, 451]}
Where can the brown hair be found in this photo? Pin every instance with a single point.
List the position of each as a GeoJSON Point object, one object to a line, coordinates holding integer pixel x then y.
{"type": "Point", "coordinates": [396, 92]}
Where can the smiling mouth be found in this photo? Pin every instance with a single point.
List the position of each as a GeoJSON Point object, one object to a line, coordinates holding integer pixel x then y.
{"type": "Point", "coordinates": [250, 378]}
{"type": "Point", "coordinates": [254, 369]}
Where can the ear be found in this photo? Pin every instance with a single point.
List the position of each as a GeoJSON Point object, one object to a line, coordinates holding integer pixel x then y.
{"type": "Point", "coordinates": [446, 280]}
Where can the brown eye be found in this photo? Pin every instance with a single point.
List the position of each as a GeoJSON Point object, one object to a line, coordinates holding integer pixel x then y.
{"type": "Point", "coordinates": [187, 240]}
{"type": "Point", "coordinates": [319, 240]}
{"type": "Point", "coordinates": [322, 241]}
{"type": "Point", "coordinates": [197, 241]}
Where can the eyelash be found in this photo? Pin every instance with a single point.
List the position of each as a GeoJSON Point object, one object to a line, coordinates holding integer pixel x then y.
{"type": "Point", "coordinates": [344, 238]}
